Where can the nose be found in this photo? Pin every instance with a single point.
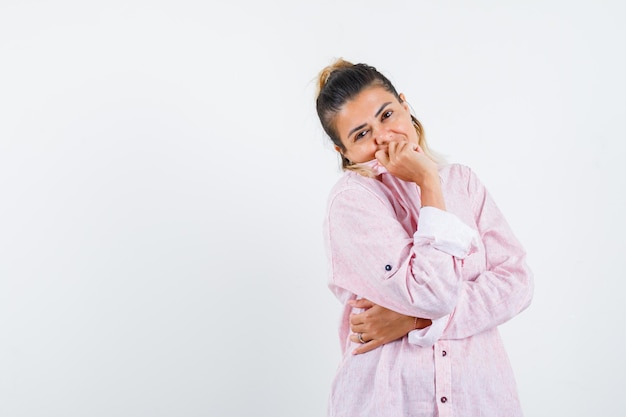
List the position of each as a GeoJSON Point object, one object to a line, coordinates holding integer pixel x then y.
{"type": "Point", "coordinates": [382, 137]}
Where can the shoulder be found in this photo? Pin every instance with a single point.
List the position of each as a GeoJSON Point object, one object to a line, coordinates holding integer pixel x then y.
{"type": "Point", "coordinates": [462, 181]}
{"type": "Point", "coordinates": [455, 171]}
{"type": "Point", "coordinates": [353, 181]}
{"type": "Point", "coordinates": [457, 176]}
{"type": "Point", "coordinates": [353, 188]}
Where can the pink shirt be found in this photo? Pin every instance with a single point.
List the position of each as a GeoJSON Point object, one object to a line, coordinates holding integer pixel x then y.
{"type": "Point", "coordinates": [463, 268]}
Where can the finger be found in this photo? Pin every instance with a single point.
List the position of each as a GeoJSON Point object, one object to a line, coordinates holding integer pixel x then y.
{"type": "Point", "coordinates": [354, 337]}
{"type": "Point", "coordinates": [392, 149]}
{"type": "Point", "coordinates": [404, 147]}
{"type": "Point", "coordinates": [356, 319]}
{"type": "Point", "coordinates": [371, 345]}
{"type": "Point", "coordinates": [358, 328]}
{"type": "Point", "coordinates": [361, 303]}
{"type": "Point", "coordinates": [382, 157]}
{"type": "Point", "coordinates": [399, 149]}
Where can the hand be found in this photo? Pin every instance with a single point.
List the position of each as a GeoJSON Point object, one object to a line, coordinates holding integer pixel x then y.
{"type": "Point", "coordinates": [379, 325]}
{"type": "Point", "coordinates": [408, 162]}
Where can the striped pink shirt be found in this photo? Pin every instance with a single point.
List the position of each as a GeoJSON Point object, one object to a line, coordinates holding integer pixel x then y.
{"type": "Point", "coordinates": [463, 268]}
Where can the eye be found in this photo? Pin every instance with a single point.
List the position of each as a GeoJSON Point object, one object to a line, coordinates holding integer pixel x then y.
{"type": "Point", "coordinates": [360, 135]}
{"type": "Point", "coordinates": [386, 114]}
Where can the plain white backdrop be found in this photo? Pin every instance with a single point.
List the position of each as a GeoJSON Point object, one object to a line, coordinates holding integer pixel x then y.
{"type": "Point", "coordinates": [163, 179]}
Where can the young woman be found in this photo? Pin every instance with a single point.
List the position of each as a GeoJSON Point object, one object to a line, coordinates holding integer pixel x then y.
{"type": "Point", "coordinates": [424, 249]}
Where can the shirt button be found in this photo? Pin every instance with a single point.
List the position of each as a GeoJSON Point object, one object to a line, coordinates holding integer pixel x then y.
{"type": "Point", "coordinates": [444, 353]}
{"type": "Point", "coordinates": [444, 399]}
{"type": "Point", "coordinates": [387, 267]}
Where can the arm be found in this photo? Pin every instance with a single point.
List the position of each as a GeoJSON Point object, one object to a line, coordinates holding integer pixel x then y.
{"type": "Point", "coordinates": [409, 163]}
{"type": "Point", "coordinates": [379, 325]}
{"type": "Point", "coordinates": [505, 287]}
{"type": "Point", "coordinates": [498, 293]}
{"type": "Point", "coordinates": [372, 255]}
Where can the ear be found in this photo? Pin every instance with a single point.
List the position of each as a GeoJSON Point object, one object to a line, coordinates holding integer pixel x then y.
{"type": "Point", "coordinates": [405, 103]}
{"type": "Point", "coordinates": [338, 149]}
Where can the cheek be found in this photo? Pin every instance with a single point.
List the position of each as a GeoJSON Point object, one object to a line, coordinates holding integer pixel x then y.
{"type": "Point", "coordinates": [411, 132]}
{"type": "Point", "coordinates": [354, 152]}
{"type": "Point", "coordinates": [362, 152]}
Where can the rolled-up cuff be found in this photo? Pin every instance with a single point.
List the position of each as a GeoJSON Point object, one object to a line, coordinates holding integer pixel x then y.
{"type": "Point", "coordinates": [429, 335]}
{"type": "Point", "coordinates": [445, 232]}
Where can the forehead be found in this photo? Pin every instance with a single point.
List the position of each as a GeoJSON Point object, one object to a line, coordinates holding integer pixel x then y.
{"type": "Point", "coordinates": [361, 108]}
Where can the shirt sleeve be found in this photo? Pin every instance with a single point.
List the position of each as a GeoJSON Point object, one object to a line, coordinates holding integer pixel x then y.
{"type": "Point", "coordinates": [446, 232]}
{"type": "Point", "coordinates": [427, 336]}
{"type": "Point", "coordinates": [450, 235]}
{"type": "Point", "coordinates": [505, 287]}
{"type": "Point", "coordinates": [373, 256]}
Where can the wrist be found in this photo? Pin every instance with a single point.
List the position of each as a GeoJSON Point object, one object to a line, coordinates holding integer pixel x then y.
{"type": "Point", "coordinates": [419, 323]}
{"type": "Point", "coordinates": [410, 323]}
{"type": "Point", "coordinates": [431, 195]}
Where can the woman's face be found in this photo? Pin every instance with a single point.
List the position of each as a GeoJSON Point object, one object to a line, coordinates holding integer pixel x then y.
{"type": "Point", "coordinates": [370, 121]}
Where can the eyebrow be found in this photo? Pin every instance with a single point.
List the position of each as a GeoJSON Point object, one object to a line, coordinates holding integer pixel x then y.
{"type": "Point", "coordinates": [380, 110]}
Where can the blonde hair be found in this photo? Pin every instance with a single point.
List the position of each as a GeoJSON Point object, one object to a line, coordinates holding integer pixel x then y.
{"type": "Point", "coordinates": [341, 82]}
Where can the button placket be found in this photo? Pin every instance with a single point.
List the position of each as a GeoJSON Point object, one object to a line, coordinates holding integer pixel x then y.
{"type": "Point", "coordinates": [443, 379]}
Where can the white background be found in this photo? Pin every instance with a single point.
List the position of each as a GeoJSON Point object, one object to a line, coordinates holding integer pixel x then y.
{"type": "Point", "coordinates": [163, 179]}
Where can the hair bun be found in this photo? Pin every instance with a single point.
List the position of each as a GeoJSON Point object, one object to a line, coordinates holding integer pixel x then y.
{"type": "Point", "coordinates": [325, 73]}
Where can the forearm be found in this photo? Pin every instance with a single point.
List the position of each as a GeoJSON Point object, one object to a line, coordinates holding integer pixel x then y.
{"type": "Point", "coordinates": [372, 254]}
{"type": "Point", "coordinates": [490, 300]}
{"type": "Point", "coordinates": [417, 275]}
{"type": "Point", "coordinates": [377, 325]}
{"type": "Point", "coordinates": [431, 194]}
{"type": "Point", "coordinates": [499, 283]}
